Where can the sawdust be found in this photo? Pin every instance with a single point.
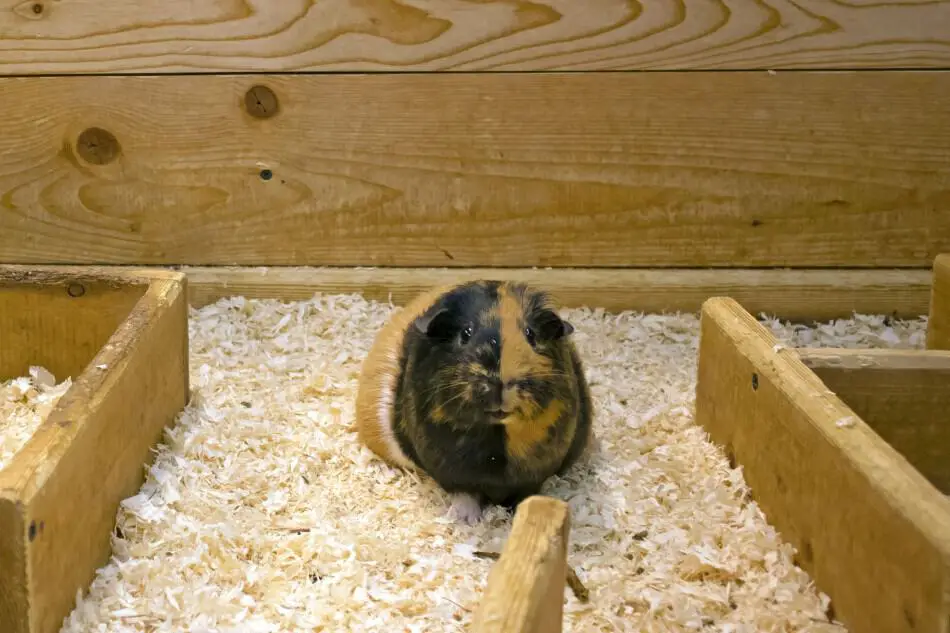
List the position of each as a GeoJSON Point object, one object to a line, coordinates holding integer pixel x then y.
{"type": "Point", "coordinates": [262, 513]}
{"type": "Point", "coordinates": [24, 404]}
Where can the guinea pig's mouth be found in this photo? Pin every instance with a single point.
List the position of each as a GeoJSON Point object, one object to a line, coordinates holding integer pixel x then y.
{"type": "Point", "coordinates": [498, 414]}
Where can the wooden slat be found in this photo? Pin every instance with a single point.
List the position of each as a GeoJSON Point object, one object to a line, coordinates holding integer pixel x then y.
{"type": "Point", "coordinates": [410, 35]}
{"type": "Point", "coordinates": [629, 169]}
{"type": "Point", "coordinates": [938, 325]}
{"type": "Point", "coordinates": [868, 528]}
{"type": "Point", "coordinates": [904, 395]}
{"type": "Point", "coordinates": [526, 587]}
{"type": "Point", "coordinates": [60, 493]}
{"type": "Point", "coordinates": [59, 323]}
{"type": "Point", "coordinates": [797, 295]}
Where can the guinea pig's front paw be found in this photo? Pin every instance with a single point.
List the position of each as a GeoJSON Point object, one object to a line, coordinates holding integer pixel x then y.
{"type": "Point", "coordinates": [465, 508]}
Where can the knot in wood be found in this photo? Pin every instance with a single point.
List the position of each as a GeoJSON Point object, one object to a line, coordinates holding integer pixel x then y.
{"type": "Point", "coordinates": [261, 102]}
{"type": "Point", "coordinates": [97, 146]}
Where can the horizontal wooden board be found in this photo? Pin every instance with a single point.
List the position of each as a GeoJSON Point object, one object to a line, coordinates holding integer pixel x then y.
{"type": "Point", "coordinates": [634, 169]}
{"type": "Point", "coordinates": [867, 526]}
{"type": "Point", "coordinates": [938, 326]}
{"type": "Point", "coordinates": [59, 324]}
{"type": "Point", "coordinates": [48, 36]}
{"type": "Point", "coordinates": [904, 395]}
{"type": "Point", "coordinates": [798, 295]}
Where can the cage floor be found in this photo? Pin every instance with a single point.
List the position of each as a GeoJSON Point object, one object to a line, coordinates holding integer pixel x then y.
{"type": "Point", "coordinates": [262, 512]}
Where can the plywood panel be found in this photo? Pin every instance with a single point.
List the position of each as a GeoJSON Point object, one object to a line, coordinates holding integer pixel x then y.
{"type": "Point", "coordinates": [641, 169]}
{"type": "Point", "coordinates": [867, 526]}
{"type": "Point", "coordinates": [48, 36]}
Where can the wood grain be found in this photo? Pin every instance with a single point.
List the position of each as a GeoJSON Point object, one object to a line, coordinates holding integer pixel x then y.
{"type": "Point", "coordinates": [50, 36]}
{"type": "Point", "coordinates": [796, 295]}
{"type": "Point", "coordinates": [904, 395]}
{"type": "Point", "coordinates": [60, 493]}
{"type": "Point", "coordinates": [869, 529]}
{"type": "Point", "coordinates": [635, 169]}
{"type": "Point", "coordinates": [525, 592]}
{"type": "Point", "coordinates": [938, 325]}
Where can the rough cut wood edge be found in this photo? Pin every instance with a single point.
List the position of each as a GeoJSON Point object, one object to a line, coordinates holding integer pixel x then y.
{"type": "Point", "coordinates": [938, 326]}
{"type": "Point", "coordinates": [486, 169]}
{"type": "Point", "coordinates": [869, 529]}
{"type": "Point", "coordinates": [904, 395]}
{"type": "Point", "coordinates": [526, 587]}
{"type": "Point", "coordinates": [59, 495]}
{"type": "Point", "coordinates": [395, 36]}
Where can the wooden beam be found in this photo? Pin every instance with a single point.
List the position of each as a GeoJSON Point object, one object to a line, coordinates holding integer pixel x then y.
{"type": "Point", "coordinates": [795, 295]}
{"type": "Point", "coordinates": [798, 295]}
{"type": "Point", "coordinates": [904, 395]}
{"type": "Point", "coordinates": [526, 587]}
{"type": "Point", "coordinates": [565, 170]}
{"type": "Point", "coordinates": [868, 527]}
{"type": "Point", "coordinates": [938, 325]}
{"type": "Point", "coordinates": [395, 35]}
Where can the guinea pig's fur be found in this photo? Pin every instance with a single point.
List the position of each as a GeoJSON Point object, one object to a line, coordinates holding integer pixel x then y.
{"type": "Point", "coordinates": [479, 386]}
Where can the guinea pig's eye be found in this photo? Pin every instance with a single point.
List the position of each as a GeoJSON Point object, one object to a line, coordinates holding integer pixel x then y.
{"type": "Point", "coordinates": [465, 335]}
{"type": "Point", "coordinates": [529, 334]}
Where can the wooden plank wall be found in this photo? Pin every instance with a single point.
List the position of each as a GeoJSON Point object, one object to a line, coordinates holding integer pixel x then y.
{"type": "Point", "coordinates": [465, 133]}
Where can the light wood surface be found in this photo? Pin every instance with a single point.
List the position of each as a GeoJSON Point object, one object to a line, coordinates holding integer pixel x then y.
{"type": "Point", "coordinates": [799, 295]}
{"type": "Point", "coordinates": [630, 169]}
{"type": "Point", "coordinates": [48, 36]}
{"type": "Point", "coordinates": [868, 527]}
{"type": "Point", "coordinates": [60, 493]}
{"type": "Point", "coordinates": [526, 587]}
{"type": "Point", "coordinates": [59, 321]}
{"type": "Point", "coordinates": [904, 395]}
{"type": "Point", "coordinates": [938, 325]}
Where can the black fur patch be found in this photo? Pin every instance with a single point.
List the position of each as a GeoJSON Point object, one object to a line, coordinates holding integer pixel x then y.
{"type": "Point", "coordinates": [579, 442]}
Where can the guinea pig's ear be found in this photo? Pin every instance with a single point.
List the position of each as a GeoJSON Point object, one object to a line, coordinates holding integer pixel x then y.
{"type": "Point", "coordinates": [550, 326]}
{"type": "Point", "coordinates": [436, 322]}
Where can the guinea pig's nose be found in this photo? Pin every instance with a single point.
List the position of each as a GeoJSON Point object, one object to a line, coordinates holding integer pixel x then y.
{"type": "Point", "coordinates": [490, 390]}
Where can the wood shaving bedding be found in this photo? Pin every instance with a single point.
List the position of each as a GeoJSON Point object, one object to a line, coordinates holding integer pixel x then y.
{"type": "Point", "coordinates": [262, 513]}
{"type": "Point", "coordinates": [24, 404]}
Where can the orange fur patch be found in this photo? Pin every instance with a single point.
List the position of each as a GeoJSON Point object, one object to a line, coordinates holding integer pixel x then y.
{"type": "Point", "coordinates": [525, 433]}
{"type": "Point", "coordinates": [518, 359]}
{"type": "Point", "coordinates": [438, 414]}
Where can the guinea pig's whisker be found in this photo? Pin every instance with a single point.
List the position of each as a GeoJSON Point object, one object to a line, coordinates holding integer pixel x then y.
{"type": "Point", "coordinates": [551, 374]}
{"type": "Point", "coordinates": [438, 386]}
{"type": "Point", "coordinates": [458, 396]}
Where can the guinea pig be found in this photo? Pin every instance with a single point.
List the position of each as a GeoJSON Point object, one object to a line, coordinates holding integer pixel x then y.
{"type": "Point", "coordinates": [479, 386]}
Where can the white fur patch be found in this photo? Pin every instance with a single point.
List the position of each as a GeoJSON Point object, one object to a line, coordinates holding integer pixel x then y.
{"type": "Point", "coordinates": [465, 508]}
{"type": "Point", "coordinates": [387, 397]}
